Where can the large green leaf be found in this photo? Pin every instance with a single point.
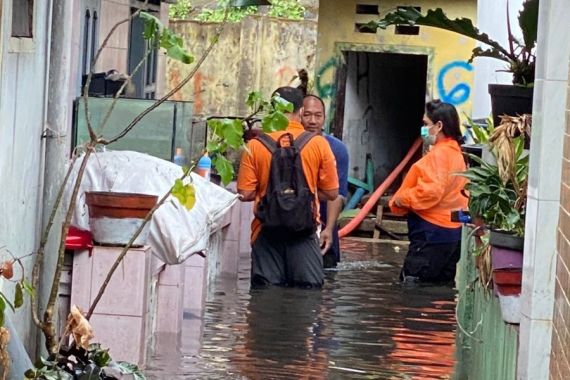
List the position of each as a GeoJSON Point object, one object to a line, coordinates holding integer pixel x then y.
{"type": "Point", "coordinates": [438, 19]}
{"type": "Point", "coordinates": [528, 22]}
{"type": "Point", "coordinates": [275, 121]}
{"type": "Point", "coordinates": [224, 168]}
{"type": "Point", "coordinates": [232, 132]}
{"type": "Point", "coordinates": [18, 296]}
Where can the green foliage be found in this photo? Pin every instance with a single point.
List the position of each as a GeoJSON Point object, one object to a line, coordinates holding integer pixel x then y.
{"type": "Point", "coordinates": [481, 134]}
{"type": "Point", "coordinates": [159, 36]}
{"type": "Point", "coordinates": [289, 9]}
{"type": "Point", "coordinates": [76, 363]}
{"type": "Point", "coordinates": [228, 133]}
{"type": "Point", "coordinates": [499, 204]}
{"type": "Point", "coordinates": [224, 10]}
{"type": "Point", "coordinates": [181, 10]}
{"type": "Point", "coordinates": [185, 193]}
{"type": "Point", "coordinates": [519, 55]}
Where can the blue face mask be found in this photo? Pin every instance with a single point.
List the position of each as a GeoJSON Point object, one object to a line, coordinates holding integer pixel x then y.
{"type": "Point", "coordinates": [428, 138]}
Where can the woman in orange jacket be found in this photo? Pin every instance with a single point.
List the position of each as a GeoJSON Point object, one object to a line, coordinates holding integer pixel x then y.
{"type": "Point", "coordinates": [429, 193]}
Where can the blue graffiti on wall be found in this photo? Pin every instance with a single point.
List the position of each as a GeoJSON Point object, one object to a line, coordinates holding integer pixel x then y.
{"type": "Point", "coordinates": [459, 93]}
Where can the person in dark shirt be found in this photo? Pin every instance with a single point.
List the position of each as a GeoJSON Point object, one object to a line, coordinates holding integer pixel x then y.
{"type": "Point", "coordinates": [313, 119]}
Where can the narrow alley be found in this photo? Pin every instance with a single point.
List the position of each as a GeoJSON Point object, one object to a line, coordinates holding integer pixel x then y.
{"type": "Point", "coordinates": [363, 325]}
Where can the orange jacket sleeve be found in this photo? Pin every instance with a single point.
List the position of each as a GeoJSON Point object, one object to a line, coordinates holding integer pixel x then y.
{"type": "Point", "coordinates": [247, 177]}
{"type": "Point", "coordinates": [328, 176]}
{"type": "Point", "coordinates": [425, 184]}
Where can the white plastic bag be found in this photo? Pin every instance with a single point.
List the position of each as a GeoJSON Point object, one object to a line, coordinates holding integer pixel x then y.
{"type": "Point", "coordinates": [175, 232]}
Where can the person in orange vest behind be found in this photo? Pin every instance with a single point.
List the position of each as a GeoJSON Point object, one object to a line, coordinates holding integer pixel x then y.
{"type": "Point", "coordinates": [429, 193]}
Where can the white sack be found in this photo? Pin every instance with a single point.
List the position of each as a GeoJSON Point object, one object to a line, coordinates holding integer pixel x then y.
{"type": "Point", "coordinates": [175, 233]}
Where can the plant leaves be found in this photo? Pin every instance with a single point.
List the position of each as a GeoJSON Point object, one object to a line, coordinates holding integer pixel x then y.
{"type": "Point", "coordinates": [91, 372]}
{"type": "Point", "coordinates": [28, 288]}
{"type": "Point", "coordinates": [185, 193]}
{"type": "Point", "coordinates": [224, 168]}
{"type": "Point", "coordinates": [232, 132]}
{"type": "Point", "coordinates": [438, 19]}
{"type": "Point", "coordinates": [281, 105]}
{"type": "Point", "coordinates": [100, 356]}
{"type": "Point", "coordinates": [491, 53]}
{"type": "Point", "coordinates": [18, 296]}
{"type": "Point", "coordinates": [275, 121]}
{"type": "Point", "coordinates": [2, 310]}
{"type": "Point", "coordinates": [253, 98]}
{"type": "Point", "coordinates": [528, 22]}
{"type": "Point", "coordinates": [152, 26]}
{"type": "Point", "coordinates": [130, 369]}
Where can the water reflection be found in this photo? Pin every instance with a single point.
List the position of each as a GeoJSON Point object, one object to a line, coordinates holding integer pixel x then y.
{"type": "Point", "coordinates": [362, 325]}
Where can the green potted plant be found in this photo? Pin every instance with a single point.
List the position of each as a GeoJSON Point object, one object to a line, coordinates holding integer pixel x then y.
{"type": "Point", "coordinates": [497, 199]}
{"type": "Point", "coordinates": [497, 191]}
{"type": "Point", "coordinates": [519, 55]}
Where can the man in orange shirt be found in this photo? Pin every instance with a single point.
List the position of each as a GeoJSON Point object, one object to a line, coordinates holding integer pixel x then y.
{"type": "Point", "coordinates": [286, 260]}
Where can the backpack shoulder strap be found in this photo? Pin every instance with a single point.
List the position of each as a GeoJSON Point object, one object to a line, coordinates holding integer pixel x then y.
{"type": "Point", "coordinates": [303, 139]}
{"type": "Point", "coordinates": [267, 142]}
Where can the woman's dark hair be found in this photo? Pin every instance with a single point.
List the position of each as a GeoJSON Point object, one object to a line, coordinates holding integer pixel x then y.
{"type": "Point", "coordinates": [436, 110]}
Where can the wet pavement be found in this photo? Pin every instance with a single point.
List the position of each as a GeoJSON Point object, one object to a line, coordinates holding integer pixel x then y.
{"type": "Point", "coordinates": [362, 325]}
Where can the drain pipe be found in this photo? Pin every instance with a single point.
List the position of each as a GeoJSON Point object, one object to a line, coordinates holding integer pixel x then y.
{"type": "Point", "coordinates": [56, 136]}
{"type": "Point", "coordinates": [380, 190]}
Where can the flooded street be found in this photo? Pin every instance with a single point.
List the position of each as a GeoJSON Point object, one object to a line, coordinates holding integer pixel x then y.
{"type": "Point", "coordinates": [362, 325]}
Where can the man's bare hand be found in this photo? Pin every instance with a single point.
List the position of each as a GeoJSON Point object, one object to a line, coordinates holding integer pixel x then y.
{"type": "Point", "coordinates": [326, 240]}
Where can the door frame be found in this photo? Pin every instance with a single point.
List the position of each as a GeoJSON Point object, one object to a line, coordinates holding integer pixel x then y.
{"type": "Point", "coordinates": [336, 124]}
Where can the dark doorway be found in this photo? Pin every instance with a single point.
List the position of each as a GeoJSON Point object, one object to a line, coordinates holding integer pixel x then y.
{"type": "Point", "coordinates": [381, 100]}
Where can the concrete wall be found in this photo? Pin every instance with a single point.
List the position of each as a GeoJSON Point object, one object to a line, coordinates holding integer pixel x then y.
{"type": "Point", "coordinates": [259, 53]}
{"type": "Point", "coordinates": [544, 200]}
{"type": "Point", "coordinates": [560, 356]}
{"type": "Point", "coordinates": [23, 76]}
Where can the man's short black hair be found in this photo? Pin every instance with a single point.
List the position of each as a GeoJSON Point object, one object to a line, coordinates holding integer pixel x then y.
{"type": "Point", "coordinates": [318, 99]}
{"type": "Point", "coordinates": [292, 95]}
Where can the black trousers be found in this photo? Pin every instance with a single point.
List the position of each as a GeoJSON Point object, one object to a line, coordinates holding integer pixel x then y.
{"type": "Point", "coordinates": [292, 262]}
{"type": "Point", "coordinates": [431, 262]}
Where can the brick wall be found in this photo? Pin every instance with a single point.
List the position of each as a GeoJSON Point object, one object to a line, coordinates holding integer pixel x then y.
{"type": "Point", "coordinates": [560, 356]}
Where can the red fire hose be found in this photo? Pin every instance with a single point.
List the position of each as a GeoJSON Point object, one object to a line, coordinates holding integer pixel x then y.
{"type": "Point", "coordinates": [380, 190]}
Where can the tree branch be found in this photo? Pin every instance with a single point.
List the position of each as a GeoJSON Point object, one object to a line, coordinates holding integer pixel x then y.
{"type": "Point", "coordinates": [199, 63]}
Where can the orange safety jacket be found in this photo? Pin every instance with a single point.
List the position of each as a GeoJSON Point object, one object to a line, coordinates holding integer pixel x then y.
{"type": "Point", "coordinates": [431, 189]}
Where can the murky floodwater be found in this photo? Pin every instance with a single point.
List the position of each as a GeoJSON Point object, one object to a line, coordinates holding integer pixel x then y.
{"type": "Point", "coordinates": [362, 325]}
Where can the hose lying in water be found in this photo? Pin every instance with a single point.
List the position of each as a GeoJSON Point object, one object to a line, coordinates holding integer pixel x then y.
{"type": "Point", "coordinates": [380, 190]}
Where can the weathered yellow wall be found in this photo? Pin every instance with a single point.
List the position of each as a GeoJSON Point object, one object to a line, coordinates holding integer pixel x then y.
{"type": "Point", "coordinates": [448, 51]}
{"type": "Point", "coordinates": [259, 53]}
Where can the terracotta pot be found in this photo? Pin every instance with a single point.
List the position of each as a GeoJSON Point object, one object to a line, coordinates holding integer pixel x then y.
{"type": "Point", "coordinates": [507, 271]}
{"type": "Point", "coordinates": [119, 205]}
{"type": "Point", "coordinates": [508, 281]}
{"type": "Point", "coordinates": [115, 217]}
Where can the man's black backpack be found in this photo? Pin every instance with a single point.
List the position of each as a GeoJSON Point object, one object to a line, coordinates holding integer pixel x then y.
{"type": "Point", "coordinates": [288, 207]}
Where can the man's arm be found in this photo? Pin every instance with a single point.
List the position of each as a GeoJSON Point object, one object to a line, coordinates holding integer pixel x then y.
{"type": "Point", "coordinates": [328, 195]}
{"type": "Point", "coordinates": [247, 196]}
{"type": "Point", "coordinates": [247, 176]}
{"type": "Point", "coordinates": [327, 184]}
{"type": "Point", "coordinates": [333, 211]}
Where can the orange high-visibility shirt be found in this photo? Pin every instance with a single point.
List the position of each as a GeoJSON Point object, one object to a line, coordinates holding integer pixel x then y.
{"type": "Point", "coordinates": [319, 166]}
{"type": "Point", "coordinates": [431, 189]}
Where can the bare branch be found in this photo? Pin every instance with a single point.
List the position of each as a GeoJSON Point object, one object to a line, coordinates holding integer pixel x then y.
{"type": "Point", "coordinates": [199, 63]}
{"type": "Point", "coordinates": [41, 250]}
{"type": "Point", "coordinates": [48, 324]}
